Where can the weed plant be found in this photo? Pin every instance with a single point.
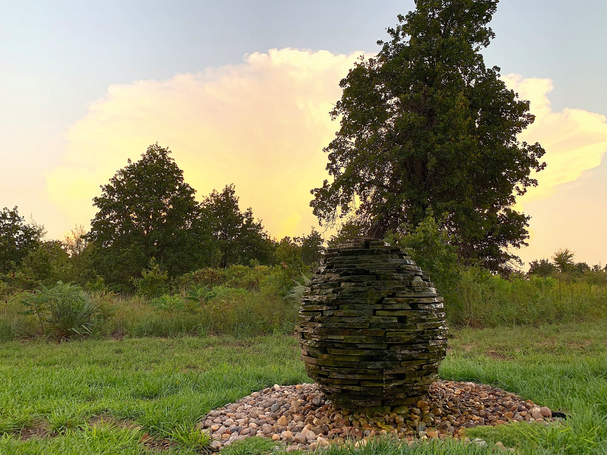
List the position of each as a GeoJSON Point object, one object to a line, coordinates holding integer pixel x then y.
{"type": "Point", "coordinates": [65, 310]}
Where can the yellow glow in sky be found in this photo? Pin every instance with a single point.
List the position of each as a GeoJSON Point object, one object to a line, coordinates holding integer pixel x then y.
{"type": "Point", "coordinates": [575, 140]}
{"type": "Point", "coordinates": [262, 125]}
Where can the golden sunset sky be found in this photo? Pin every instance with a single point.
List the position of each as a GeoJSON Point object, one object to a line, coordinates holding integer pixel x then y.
{"type": "Point", "coordinates": [242, 96]}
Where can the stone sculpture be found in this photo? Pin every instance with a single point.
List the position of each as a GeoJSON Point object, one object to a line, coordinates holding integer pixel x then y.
{"type": "Point", "coordinates": [371, 327]}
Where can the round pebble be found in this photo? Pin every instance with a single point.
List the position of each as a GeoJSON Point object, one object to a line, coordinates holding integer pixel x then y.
{"type": "Point", "coordinates": [301, 417]}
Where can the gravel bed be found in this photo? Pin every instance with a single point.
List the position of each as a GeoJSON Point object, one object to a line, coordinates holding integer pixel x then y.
{"type": "Point", "coordinates": [301, 417]}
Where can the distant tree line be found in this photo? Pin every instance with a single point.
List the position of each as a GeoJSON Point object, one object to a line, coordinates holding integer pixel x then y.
{"type": "Point", "coordinates": [147, 217]}
{"type": "Point", "coordinates": [563, 267]}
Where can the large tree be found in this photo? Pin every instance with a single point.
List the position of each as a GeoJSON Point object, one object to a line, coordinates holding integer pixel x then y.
{"type": "Point", "coordinates": [17, 239]}
{"type": "Point", "coordinates": [239, 237]}
{"type": "Point", "coordinates": [425, 125]}
{"type": "Point", "coordinates": [146, 212]}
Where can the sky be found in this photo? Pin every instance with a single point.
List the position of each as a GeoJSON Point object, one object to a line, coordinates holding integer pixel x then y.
{"type": "Point", "coordinates": [240, 91]}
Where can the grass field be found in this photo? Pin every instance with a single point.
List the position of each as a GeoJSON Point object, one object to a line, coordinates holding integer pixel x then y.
{"type": "Point", "coordinates": [141, 395]}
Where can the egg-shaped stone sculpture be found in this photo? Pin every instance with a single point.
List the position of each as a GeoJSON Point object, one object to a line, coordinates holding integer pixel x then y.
{"type": "Point", "coordinates": [371, 326]}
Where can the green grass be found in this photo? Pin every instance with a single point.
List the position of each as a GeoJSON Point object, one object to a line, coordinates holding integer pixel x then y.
{"type": "Point", "coordinates": [103, 396]}
{"type": "Point", "coordinates": [562, 366]}
{"type": "Point", "coordinates": [162, 386]}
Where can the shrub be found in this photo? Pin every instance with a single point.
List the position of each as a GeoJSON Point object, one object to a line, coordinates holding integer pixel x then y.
{"type": "Point", "coordinates": [153, 281]}
{"type": "Point", "coordinates": [430, 247]}
{"type": "Point", "coordinates": [235, 276]}
{"type": "Point", "coordinates": [172, 304]}
{"type": "Point", "coordinates": [66, 309]}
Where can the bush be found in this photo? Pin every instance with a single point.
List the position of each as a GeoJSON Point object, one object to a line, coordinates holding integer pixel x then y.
{"type": "Point", "coordinates": [66, 309]}
{"type": "Point", "coordinates": [430, 247]}
{"type": "Point", "coordinates": [153, 281]}
{"type": "Point", "coordinates": [169, 303]}
{"type": "Point", "coordinates": [235, 276]}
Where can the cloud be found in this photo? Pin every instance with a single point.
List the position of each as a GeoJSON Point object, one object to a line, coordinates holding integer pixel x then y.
{"type": "Point", "coordinates": [575, 140]}
{"type": "Point", "coordinates": [261, 125]}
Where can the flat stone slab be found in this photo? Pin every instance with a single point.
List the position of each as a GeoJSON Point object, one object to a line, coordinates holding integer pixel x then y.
{"type": "Point", "coordinates": [371, 326]}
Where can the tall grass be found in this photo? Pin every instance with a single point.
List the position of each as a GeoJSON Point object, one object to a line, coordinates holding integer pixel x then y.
{"type": "Point", "coordinates": [231, 312]}
{"type": "Point", "coordinates": [219, 311]}
{"type": "Point", "coordinates": [480, 299]}
{"type": "Point", "coordinates": [249, 301]}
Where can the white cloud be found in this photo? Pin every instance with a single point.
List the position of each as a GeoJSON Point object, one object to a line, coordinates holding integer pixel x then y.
{"type": "Point", "coordinates": [575, 140]}
{"type": "Point", "coordinates": [260, 125]}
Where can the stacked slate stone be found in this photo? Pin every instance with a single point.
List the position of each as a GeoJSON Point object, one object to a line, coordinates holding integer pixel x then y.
{"type": "Point", "coordinates": [371, 327]}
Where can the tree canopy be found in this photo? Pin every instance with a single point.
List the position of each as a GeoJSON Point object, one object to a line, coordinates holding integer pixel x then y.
{"type": "Point", "coordinates": [426, 125]}
{"type": "Point", "coordinates": [238, 236]}
{"type": "Point", "coordinates": [146, 212]}
{"type": "Point", "coordinates": [17, 239]}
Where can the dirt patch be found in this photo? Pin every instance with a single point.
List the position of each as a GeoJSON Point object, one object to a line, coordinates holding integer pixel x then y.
{"type": "Point", "coordinates": [39, 429]}
{"type": "Point", "coordinates": [106, 419]}
{"type": "Point", "coordinates": [498, 355]}
{"type": "Point", "coordinates": [117, 334]}
{"type": "Point", "coordinates": [155, 443]}
{"type": "Point", "coordinates": [580, 345]}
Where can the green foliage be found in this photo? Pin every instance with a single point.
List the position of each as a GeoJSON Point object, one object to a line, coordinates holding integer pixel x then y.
{"type": "Point", "coordinates": [17, 239]}
{"type": "Point", "coordinates": [171, 304]}
{"type": "Point", "coordinates": [81, 257]}
{"type": "Point", "coordinates": [566, 270]}
{"type": "Point", "coordinates": [273, 281]}
{"type": "Point", "coordinates": [297, 291]}
{"type": "Point", "coordinates": [240, 312]}
{"type": "Point", "coordinates": [281, 280]}
{"type": "Point", "coordinates": [563, 260]}
{"type": "Point", "coordinates": [541, 268]}
{"type": "Point", "coordinates": [189, 436]}
{"type": "Point", "coordinates": [47, 264]}
{"type": "Point", "coordinates": [312, 248]}
{"type": "Point", "coordinates": [301, 252]}
{"type": "Point", "coordinates": [288, 254]}
{"type": "Point", "coordinates": [234, 276]}
{"type": "Point", "coordinates": [431, 248]}
{"type": "Point", "coordinates": [223, 295]}
{"type": "Point", "coordinates": [347, 231]}
{"type": "Point", "coordinates": [153, 281]}
{"type": "Point", "coordinates": [14, 282]}
{"type": "Point", "coordinates": [481, 299]}
{"type": "Point", "coordinates": [251, 446]}
{"type": "Point", "coordinates": [67, 310]}
{"type": "Point", "coordinates": [425, 124]}
{"type": "Point", "coordinates": [147, 211]}
{"type": "Point", "coordinates": [237, 236]}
